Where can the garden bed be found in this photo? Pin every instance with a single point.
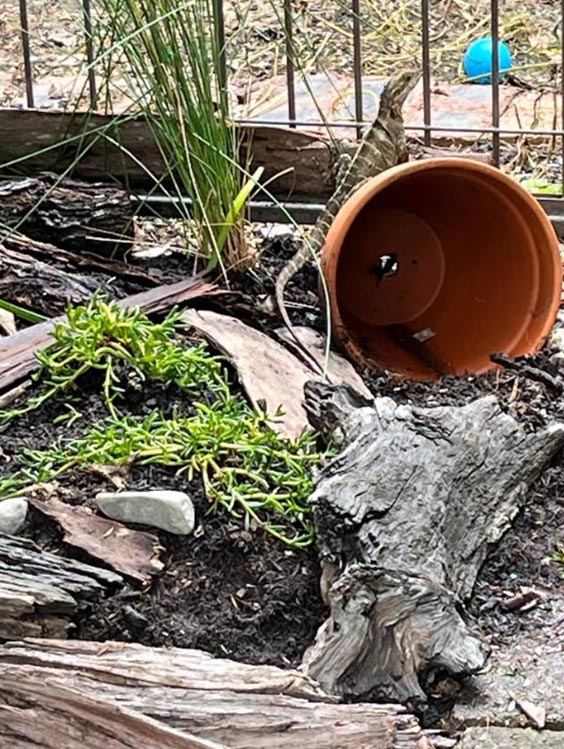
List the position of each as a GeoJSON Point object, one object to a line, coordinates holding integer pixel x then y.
{"type": "Point", "coordinates": [238, 591]}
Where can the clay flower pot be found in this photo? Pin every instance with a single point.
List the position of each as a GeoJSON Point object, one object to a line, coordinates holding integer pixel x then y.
{"type": "Point", "coordinates": [435, 265]}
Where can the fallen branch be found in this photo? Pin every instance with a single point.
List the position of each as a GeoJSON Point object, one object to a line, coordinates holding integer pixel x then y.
{"type": "Point", "coordinates": [530, 372]}
{"type": "Point", "coordinates": [405, 516]}
{"type": "Point", "coordinates": [67, 719]}
{"type": "Point", "coordinates": [238, 705]}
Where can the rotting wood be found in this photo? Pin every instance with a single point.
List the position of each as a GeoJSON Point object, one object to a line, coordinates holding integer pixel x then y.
{"type": "Point", "coordinates": [18, 351]}
{"type": "Point", "coordinates": [40, 592]}
{"type": "Point", "coordinates": [39, 286]}
{"type": "Point", "coordinates": [26, 246]}
{"type": "Point", "coordinates": [238, 705]}
{"type": "Point", "coordinates": [44, 278]}
{"type": "Point", "coordinates": [81, 217]}
{"type": "Point", "coordinates": [405, 516]}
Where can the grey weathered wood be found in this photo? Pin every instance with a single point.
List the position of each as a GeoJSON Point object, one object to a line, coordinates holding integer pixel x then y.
{"type": "Point", "coordinates": [238, 705]}
{"type": "Point", "coordinates": [405, 516]}
{"type": "Point", "coordinates": [40, 592]}
{"type": "Point", "coordinates": [39, 286]}
{"type": "Point", "coordinates": [95, 218]}
{"type": "Point", "coordinates": [36, 715]}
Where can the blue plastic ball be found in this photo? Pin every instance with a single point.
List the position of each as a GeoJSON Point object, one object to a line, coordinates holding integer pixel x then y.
{"type": "Point", "coordinates": [478, 60]}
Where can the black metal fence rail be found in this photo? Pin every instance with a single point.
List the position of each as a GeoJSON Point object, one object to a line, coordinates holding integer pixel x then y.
{"type": "Point", "coordinates": [427, 129]}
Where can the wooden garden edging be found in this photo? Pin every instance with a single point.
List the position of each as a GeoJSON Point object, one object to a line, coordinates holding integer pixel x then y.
{"type": "Point", "coordinates": [70, 694]}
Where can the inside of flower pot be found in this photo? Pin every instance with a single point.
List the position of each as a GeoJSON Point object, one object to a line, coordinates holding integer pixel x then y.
{"type": "Point", "coordinates": [442, 267]}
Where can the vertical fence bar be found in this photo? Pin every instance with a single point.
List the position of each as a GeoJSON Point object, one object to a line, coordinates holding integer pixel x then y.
{"type": "Point", "coordinates": [220, 31]}
{"type": "Point", "coordinates": [290, 73]}
{"type": "Point", "coordinates": [357, 66]}
{"type": "Point", "coordinates": [26, 53]}
{"type": "Point", "coordinates": [426, 64]}
{"type": "Point", "coordinates": [562, 93]}
{"type": "Point", "coordinates": [495, 79]}
{"type": "Point", "coordinates": [87, 15]}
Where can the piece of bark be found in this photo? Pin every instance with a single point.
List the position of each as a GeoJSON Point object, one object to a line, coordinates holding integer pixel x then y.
{"type": "Point", "coordinates": [12, 395]}
{"type": "Point", "coordinates": [130, 552]}
{"type": "Point", "coordinates": [18, 351]}
{"type": "Point", "coordinates": [268, 372]}
{"type": "Point", "coordinates": [241, 706]}
{"type": "Point", "coordinates": [535, 713]}
{"type": "Point", "coordinates": [95, 217]}
{"type": "Point", "coordinates": [7, 322]}
{"type": "Point", "coordinates": [40, 592]}
{"type": "Point", "coordinates": [35, 714]}
{"type": "Point", "coordinates": [405, 516]}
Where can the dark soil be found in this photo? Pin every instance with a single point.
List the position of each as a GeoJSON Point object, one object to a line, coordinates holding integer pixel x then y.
{"type": "Point", "coordinates": [231, 591]}
{"type": "Point", "coordinates": [241, 593]}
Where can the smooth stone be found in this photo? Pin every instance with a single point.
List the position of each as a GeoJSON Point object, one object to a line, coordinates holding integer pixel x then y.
{"type": "Point", "coordinates": [13, 513]}
{"type": "Point", "coordinates": [168, 510]}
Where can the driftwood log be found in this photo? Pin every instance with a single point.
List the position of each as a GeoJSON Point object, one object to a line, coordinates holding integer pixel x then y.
{"type": "Point", "coordinates": [231, 704]}
{"type": "Point", "coordinates": [40, 592]}
{"type": "Point", "coordinates": [405, 515]}
{"type": "Point", "coordinates": [95, 218]}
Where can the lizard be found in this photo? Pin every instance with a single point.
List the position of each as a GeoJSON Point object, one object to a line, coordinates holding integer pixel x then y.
{"type": "Point", "coordinates": [382, 146]}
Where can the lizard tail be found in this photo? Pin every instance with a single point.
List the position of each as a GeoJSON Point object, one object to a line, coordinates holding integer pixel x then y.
{"type": "Point", "coordinates": [287, 273]}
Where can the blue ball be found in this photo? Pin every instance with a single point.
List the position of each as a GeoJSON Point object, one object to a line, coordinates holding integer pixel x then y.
{"type": "Point", "coordinates": [478, 60]}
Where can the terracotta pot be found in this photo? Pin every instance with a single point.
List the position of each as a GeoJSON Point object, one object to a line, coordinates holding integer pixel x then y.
{"type": "Point", "coordinates": [435, 265]}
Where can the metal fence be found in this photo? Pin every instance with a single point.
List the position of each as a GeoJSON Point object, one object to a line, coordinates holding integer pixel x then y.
{"type": "Point", "coordinates": [428, 128]}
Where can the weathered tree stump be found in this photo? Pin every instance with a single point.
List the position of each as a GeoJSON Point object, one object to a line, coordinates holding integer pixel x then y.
{"type": "Point", "coordinates": [405, 515]}
{"type": "Point", "coordinates": [235, 705]}
{"type": "Point", "coordinates": [95, 218]}
{"type": "Point", "coordinates": [40, 592]}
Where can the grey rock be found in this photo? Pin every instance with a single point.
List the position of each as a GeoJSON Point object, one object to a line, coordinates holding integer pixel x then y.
{"type": "Point", "coordinates": [168, 510]}
{"type": "Point", "coordinates": [528, 667]}
{"type": "Point", "coordinates": [556, 340]}
{"type": "Point", "coordinates": [13, 513]}
{"type": "Point", "coordinates": [494, 737]}
{"type": "Point", "coordinates": [558, 359]}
